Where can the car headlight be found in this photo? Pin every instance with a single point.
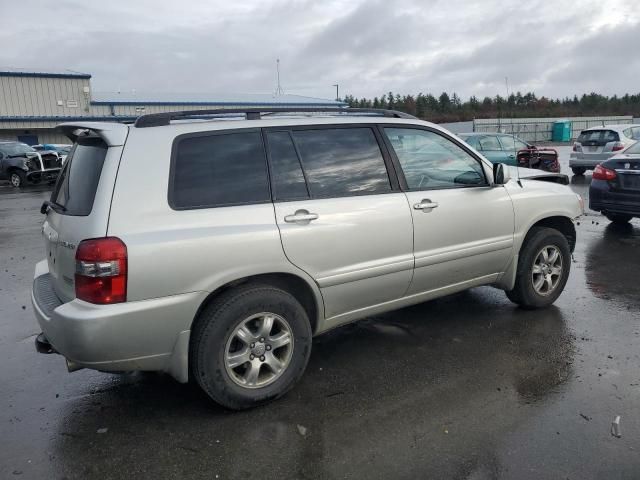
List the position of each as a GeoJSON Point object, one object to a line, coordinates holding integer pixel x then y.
{"type": "Point", "coordinates": [27, 164]}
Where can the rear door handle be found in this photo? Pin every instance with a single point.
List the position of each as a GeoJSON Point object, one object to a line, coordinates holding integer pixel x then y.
{"type": "Point", "coordinates": [302, 217]}
{"type": "Point", "coordinates": [426, 205]}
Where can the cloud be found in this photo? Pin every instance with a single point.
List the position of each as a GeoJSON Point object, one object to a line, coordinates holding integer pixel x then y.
{"type": "Point", "coordinates": [368, 46]}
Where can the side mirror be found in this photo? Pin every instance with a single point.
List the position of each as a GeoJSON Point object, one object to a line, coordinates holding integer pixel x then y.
{"type": "Point", "coordinates": [500, 174]}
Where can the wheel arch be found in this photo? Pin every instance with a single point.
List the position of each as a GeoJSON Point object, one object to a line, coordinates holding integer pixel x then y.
{"type": "Point", "coordinates": [561, 223]}
{"type": "Point", "coordinates": [309, 296]}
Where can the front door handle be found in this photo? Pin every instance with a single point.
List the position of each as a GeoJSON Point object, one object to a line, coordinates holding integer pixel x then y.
{"type": "Point", "coordinates": [425, 205]}
{"type": "Point", "coordinates": [302, 217]}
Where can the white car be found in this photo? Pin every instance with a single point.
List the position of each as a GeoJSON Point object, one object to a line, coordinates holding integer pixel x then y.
{"type": "Point", "coordinates": [597, 144]}
{"type": "Point", "coordinates": [214, 247]}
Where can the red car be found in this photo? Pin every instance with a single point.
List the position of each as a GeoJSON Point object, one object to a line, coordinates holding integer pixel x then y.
{"type": "Point", "coordinates": [539, 158]}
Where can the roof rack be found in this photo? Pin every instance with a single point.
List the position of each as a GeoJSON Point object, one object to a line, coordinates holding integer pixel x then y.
{"type": "Point", "coordinates": [165, 118]}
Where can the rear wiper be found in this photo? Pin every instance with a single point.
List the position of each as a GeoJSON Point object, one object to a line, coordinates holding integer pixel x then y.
{"type": "Point", "coordinates": [53, 205]}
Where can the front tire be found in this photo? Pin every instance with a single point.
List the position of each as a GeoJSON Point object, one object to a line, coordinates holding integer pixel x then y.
{"type": "Point", "coordinates": [578, 170]}
{"type": "Point", "coordinates": [543, 269]}
{"type": "Point", "coordinates": [250, 346]}
{"type": "Point", "coordinates": [17, 178]}
{"type": "Point", "coordinates": [618, 219]}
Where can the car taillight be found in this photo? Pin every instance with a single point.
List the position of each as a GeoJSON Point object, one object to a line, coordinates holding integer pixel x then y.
{"type": "Point", "coordinates": [617, 146]}
{"type": "Point", "coordinates": [575, 147]}
{"type": "Point", "coordinates": [603, 173]}
{"type": "Point", "coordinates": [101, 270]}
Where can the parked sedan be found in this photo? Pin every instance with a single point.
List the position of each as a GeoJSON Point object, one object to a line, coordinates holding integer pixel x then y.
{"type": "Point", "coordinates": [615, 186]}
{"type": "Point", "coordinates": [496, 147]}
{"type": "Point", "coordinates": [597, 144]}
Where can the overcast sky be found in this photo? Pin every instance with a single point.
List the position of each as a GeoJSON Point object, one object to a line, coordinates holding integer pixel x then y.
{"type": "Point", "coordinates": [369, 47]}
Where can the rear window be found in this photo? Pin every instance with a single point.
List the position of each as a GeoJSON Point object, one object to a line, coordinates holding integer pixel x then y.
{"type": "Point", "coordinates": [219, 170]}
{"type": "Point", "coordinates": [598, 138]}
{"type": "Point", "coordinates": [76, 188]}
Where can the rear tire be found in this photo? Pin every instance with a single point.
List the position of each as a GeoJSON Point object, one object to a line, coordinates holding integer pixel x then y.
{"type": "Point", "coordinates": [543, 268]}
{"type": "Point", "coordinates": [239, 357]}
{"type": "Point", "coordinates": [618, 219]}
{"type": "Point", "coordinates": [17, 178]}
{"type": "Point", "coordinates": [578, 170]}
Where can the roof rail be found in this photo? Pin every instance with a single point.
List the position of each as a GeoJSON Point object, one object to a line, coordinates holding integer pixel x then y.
{"type": "Point", "coordinates": [160, 119]}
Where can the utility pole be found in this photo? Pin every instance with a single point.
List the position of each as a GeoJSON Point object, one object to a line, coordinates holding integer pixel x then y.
{"type": "Point", "coordinates": [337, 92]}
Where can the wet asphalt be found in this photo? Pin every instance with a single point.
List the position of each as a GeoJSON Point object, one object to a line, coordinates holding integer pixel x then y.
{"type": "Point", "coordinates": [467, 386]}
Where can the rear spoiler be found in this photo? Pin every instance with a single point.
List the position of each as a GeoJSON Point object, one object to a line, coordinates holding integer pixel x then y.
{"type": "Point", "coordinates": [114, 134]}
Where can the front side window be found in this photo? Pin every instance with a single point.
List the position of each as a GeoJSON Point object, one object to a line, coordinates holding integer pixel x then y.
{"type": "Point", "coordinates": [431, 161]}
{"type": "Point", "coordinates": [340, 162]}
{"type": "Point", "coordinates": [219, 170]}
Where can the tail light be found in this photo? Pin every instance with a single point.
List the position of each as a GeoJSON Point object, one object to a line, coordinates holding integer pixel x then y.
{"type": "Point", "coordinates": [575, 147]}
{"type": "Point", "coordinates": [603, 173]}
{"type": "Point", "coordinates": [101, 270]}
{"type": "Point", "coordinates": [617, 147]}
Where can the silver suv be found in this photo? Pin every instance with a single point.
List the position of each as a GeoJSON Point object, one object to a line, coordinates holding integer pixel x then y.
{"type": "Point", "coordinates": [215, 246]}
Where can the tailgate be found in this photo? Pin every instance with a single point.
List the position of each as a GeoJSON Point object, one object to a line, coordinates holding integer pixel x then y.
{"type": "Point", "coordinates": [79, 206]}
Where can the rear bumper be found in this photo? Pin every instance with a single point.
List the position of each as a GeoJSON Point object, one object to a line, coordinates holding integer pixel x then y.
{"type": "Point", "coordinates": [602, 199]}
{"type": "Point", "coordinates": [143, 335]}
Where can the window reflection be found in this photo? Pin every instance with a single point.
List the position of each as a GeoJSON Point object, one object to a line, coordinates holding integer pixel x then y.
{"type": "Point", "coordinates": [429, 160]}
{"type": "Point", "coordinates": [341, 162]}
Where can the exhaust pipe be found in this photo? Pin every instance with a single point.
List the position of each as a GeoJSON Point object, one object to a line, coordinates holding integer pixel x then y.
{"type": "Point", "coordinates": [73, 366]}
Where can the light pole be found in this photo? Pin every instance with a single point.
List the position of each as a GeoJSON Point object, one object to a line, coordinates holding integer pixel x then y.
{"type": "Point", "coordinates": [337, 92]}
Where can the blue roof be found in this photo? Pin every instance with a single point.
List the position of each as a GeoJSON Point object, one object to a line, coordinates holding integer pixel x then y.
{"type": "Point", "coordinates": [211, 99]}
{"type": "Point", "coordinates": [27, 72]}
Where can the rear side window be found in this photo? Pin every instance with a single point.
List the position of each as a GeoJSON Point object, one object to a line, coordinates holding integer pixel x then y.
{"type": "Point", "coordinates": [76, 188]}
{"type": "Point", "coordinates": [598, 138]}
{"type": "Point", "coordinates": [219, 170]}
{"type": "Point", "coordinates": [340, 162]}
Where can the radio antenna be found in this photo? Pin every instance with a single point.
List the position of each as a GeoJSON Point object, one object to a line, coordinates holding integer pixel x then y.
{"type": "Point", "coordinates": [279, 90]}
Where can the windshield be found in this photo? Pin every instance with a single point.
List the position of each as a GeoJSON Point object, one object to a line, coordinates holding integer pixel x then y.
{"type": "Point", "coordinates": [16, 149]}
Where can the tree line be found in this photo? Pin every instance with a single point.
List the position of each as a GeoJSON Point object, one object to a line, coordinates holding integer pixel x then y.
{"type": "Point", "coordinates": [451, 108]}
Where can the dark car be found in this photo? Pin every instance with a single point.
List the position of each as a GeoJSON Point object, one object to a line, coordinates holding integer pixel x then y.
{"type": "Point", "coordinates": [615, 186]}
{"type": "Point", "coordinates": [20, 163]}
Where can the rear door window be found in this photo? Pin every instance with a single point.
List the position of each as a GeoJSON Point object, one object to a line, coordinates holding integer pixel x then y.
{"type": "Point", "coordinates": [216, 170]}
{"type": "Point", "coordinates": [76, 188]}
{"type": "Point", "coordinates": [286, 171]}
{"type": "Point", "coordinates": [340, 162]}
{"type": "Point", "coordinates": [489, 143]}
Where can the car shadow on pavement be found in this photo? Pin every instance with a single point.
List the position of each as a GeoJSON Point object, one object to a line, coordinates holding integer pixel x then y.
{"type": "Point", "coordinates": [381, 387]}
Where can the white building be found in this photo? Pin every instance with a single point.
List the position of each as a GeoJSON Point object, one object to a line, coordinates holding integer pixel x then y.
{"type": "Point", "coordinates": [32, 103]}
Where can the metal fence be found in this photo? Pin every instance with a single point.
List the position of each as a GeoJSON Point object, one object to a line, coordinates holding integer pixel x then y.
{"type": "Point", "coordinates": [540, 129]}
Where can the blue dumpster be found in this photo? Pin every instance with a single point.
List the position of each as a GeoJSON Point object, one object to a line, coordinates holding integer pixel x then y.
{"type": "Point", "coordinates": [561, 131]}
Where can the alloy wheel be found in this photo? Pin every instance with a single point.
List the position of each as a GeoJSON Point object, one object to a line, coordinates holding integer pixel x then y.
{"type": "Point", "coordinates": [259, 349]}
